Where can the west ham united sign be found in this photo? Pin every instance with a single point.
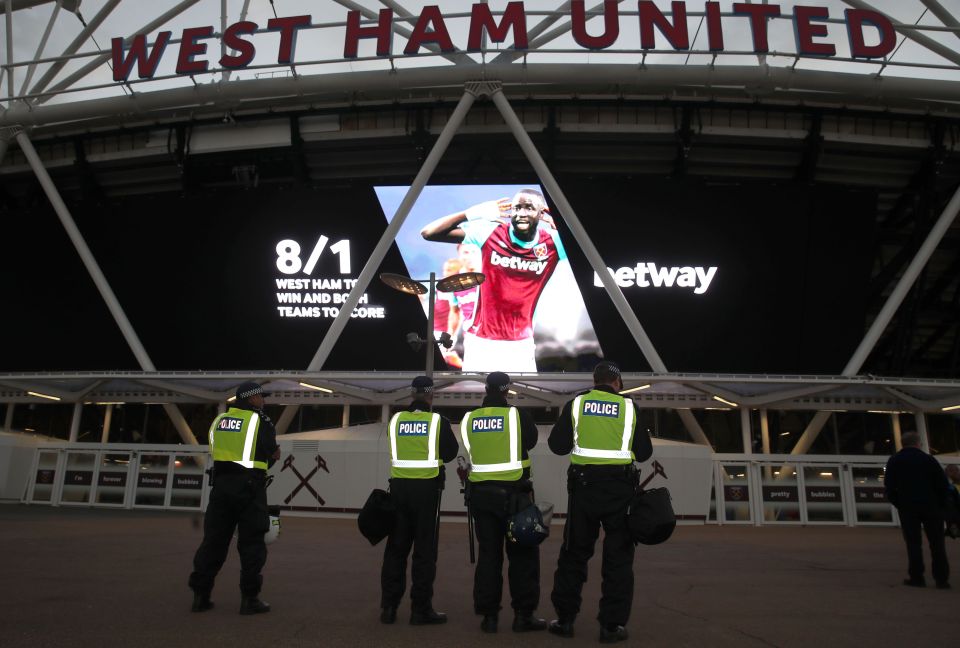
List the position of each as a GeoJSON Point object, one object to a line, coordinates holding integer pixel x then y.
{"type": "Point", "coordinates": [870, 34]}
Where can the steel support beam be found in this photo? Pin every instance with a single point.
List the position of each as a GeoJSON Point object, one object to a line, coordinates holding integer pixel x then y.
{"type": "Point", "coordinates": [40, 47]}
{"type": "Point", "coordinates": [73, 232]}
{"type": "Point", "coordinates": [745, 430]}
{"type": "Point", "coordinates": [77, 43]}
{"type": "Point", "coordinates": [8, 20]}
{"type": "Point", "coordinates": [921, 420]}
{"type": "Point", "coordinates": [69, 5]}
{"type": "Point", "coordinates": [380, 251]}
{"type": "Point", "coordinates": [107, 419]}
{"type": "Point", "coordinates": [98, 61]}
{"type": "Point", "coordinates": [943, 14]}
{"type": "Point", "coordinates": [75, 422]}
{"type": "Point", "coordinates": [913, 34]}
{"type": "Point", "coordinates": [215, 98]}
{"type": "Point", "coordinates": [495, 91]}
{"type": "Point", "coordinates": [386, 240]}
{"type": "Point", "coordinates": [897, 433]}
{"type": "Point", "coordinates": [886, 313]}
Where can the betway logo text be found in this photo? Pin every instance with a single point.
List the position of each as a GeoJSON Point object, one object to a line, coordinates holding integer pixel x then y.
{"type": "Point", "coordinates": [516, 263]}
{"type": "Point", "coordinates": [647, 275]}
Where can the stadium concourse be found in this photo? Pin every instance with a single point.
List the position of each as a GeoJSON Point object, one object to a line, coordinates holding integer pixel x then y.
{"type": "Point", "coordinates": [118, 578]}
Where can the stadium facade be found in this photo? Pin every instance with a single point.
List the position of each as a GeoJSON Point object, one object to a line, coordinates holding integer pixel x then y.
{"type": "Point", "coordinates": [758, 204]}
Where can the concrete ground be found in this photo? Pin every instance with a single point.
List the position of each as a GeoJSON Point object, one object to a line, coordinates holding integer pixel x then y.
{"type": "Point", "coordinates": [85, 577]}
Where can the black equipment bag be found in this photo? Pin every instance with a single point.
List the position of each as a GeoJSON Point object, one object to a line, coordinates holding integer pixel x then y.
{"type": "Point", "coordinates": [650, 517]}
{"type": "Point", "coordinates": [377, 517]}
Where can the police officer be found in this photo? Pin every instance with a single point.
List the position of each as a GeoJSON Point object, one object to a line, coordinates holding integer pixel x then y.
{"type": "Point", "coordinates": [599, 428]}
{"type": "Point", "coordinates": [421, 441]}
{"type": "Point", "coordinates": [498, 438]}
{"type": "Point", "coordinates": [244, 445]}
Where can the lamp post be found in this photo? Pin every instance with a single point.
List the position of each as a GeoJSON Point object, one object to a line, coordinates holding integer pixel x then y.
{"type": "Point", "coordinates": [453, 283]}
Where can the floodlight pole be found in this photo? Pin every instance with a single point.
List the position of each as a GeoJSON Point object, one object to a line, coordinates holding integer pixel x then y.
{"type": "Point", "coordinates": [429, 340]}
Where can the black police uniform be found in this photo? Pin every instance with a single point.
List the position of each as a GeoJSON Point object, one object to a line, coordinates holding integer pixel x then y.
{"type": "Point", "coordinates": [599, 496]}
{"type": "Point", "coordinates": [916, 484]}
{"type": "Point", "coordinates": [238, 501]}
{"type": "Point", "coordinates": [417, 502]}
{"type": "Point", "coordinates": [492, 503]}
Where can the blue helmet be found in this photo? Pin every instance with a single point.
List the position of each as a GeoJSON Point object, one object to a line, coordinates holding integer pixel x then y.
{"type": "Point", "coordinates": [531, 526]}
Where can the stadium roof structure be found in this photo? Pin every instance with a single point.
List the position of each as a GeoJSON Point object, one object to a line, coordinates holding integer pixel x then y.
{"type": "Point", "coordinates": [845, 93]}
{"type": "Point", "coordinates": [720, 391]}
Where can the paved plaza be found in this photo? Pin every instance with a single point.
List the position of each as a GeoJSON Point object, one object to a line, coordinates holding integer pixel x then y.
{"type": "Point", "coordinates": [85, 577]}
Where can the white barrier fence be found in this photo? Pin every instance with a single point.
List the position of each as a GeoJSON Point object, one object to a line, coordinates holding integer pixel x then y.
{"type": "Point", "coordinates": [336, 473]}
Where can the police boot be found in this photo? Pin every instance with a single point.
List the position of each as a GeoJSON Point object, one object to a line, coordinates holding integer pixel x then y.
{"type": "Point", "coordinates": [613, 633]}
{"type": "Point", "coordinates": [561, 628]}
{"type": "Point", "coordinates": [253, 605]}
{"type": "Point", "coordinates": [489, 623]}
{"type": "Point", "coordinates": [429, 616]}
{"type": "Point", "coordinates": [201, 602]}
{"type": "Point", "coordinates": [388, 614]}
{"type": "Point", "coordinates": [524, 621]}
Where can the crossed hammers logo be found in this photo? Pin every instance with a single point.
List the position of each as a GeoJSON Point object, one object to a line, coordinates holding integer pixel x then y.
{"type": "Point", "coordinates": [304, 481]}
{"type": "Point", "coordinates": [657, 470]}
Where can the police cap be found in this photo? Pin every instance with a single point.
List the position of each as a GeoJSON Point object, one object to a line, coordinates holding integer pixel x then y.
{"type": "Point", "coordinates": [498, 381]}
{"type": "Point", "coordinates": [605, 372]}
{"type": "Point", "coordinates": [248, 389]}
{"type": "Point", "coordinates": [422, 385]}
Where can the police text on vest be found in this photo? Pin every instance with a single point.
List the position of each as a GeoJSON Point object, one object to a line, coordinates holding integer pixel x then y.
{"type": "Point", "coordinates": [488, 424]}
{"type": "Point", "coordinates": [228, 424]}
{"type": "Point", "coordinates": [412, 428]}
{"type": "Point", "coordinates": [601, 408]}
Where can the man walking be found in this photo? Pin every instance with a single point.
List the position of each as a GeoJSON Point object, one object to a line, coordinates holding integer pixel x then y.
{"type": "Point", "coordinates": [916, 484]}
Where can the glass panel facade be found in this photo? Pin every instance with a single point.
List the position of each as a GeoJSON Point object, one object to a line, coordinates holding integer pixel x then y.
{"type": "Point", "coordinates": [781, 494]}
{"type": "Point", "coordinates": [736, 493]}
{"type": "Point", "coordinates": [151, 486]}
{"type": "Point", "coordinates": [45, 477]}
{"type": "Point", "coordinates": [112, 480]}
{"type": "Point", "coordinates": [78, 478]}
{"type": "Point", "coordinates": [870, 502]}
{"type": "Point", "coordinates": [187, 488]}
{"type": "Point", "coordinates": [823, 494]}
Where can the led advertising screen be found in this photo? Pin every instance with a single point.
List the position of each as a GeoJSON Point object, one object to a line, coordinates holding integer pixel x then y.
{"type": "Point", "coordinates": [528, 314]}
{"type": "Point", "coordinates": [763, 278]}
{"type": "Point", "coordinates": [728, 277]}
{"type": "Point", "coordinates": [234, 280]}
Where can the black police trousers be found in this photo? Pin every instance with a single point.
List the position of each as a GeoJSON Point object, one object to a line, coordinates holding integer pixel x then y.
{"type": "Point", "coordinates": [237, 501]}
{"type": "Point", "coordinates": [492, 503]}
{"type": "Point", "coordinates": [911, 523]}
{"type": "Point", "coordinates": [601, 501]}
{"type": "Point", "coordinates": [418, 503]}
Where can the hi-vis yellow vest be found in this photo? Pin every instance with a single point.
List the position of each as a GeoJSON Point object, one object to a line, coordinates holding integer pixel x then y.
{"type": "Point", "coordinates": [233, 437]}
{"type": "Point", "coordinates": [603, 425]}
{"type": "Point", "coordinates": [415, 445]}
{"type": "Point", "coordinates": [491, 436]}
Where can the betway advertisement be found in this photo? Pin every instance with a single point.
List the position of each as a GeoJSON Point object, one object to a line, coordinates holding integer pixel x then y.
{"type": "Point", "coordinates": [723, 278]}
{"type": "Point", "coordinates": [728, 278]}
